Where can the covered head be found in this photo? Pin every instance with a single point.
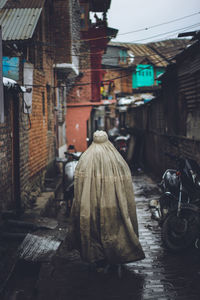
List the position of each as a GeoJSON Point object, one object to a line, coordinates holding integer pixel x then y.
{"type": "Point", "coordinates": [104, 211]}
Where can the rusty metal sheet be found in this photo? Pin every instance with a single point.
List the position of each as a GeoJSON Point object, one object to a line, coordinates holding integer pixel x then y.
{"type": "Point", "coordinates": [38, 248]}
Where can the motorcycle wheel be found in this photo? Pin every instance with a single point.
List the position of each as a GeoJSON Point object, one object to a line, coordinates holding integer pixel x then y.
{"type": "Point", "coordinates": [180, 232]}
{"type": "Point", "coordinates": [167, 204]}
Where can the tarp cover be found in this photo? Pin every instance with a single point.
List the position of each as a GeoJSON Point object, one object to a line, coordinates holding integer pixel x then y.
{"type": "Point", "coordinates": [104, 210]}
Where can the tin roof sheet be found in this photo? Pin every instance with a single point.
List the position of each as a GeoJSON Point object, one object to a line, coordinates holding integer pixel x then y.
{"type": "Point", "coordinates": [158, 53]}
{"type": "Point", "coordinates": [38, 248]}
{"type": "Point", "coordinates": [170, 48]}
{"type": "Point", "coordinates": [19, 23]}
{"type": "Point", "coordinates": [2, 3]}
{"type": "Point", "coordinates": [142, 52]}
{"type": "Point", "coordinates": [24, 3]}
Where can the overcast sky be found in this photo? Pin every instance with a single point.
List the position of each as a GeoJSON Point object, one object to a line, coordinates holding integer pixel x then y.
{"type": "Point", "coordinates": [136, 15]}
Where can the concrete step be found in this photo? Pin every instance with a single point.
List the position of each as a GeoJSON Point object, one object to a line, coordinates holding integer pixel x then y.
{"type": "Point", "coordinates": [46, 204]}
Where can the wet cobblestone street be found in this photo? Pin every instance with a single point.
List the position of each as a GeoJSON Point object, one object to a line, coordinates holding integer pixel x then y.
{"type": "Point", "coordinates": [166, 275]}
{"type": "Point", "coordinates": [161, 275]}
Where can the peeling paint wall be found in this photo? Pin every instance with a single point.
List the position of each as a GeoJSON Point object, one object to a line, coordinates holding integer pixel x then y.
{"type": "Point", "coordinates": [77, 118]}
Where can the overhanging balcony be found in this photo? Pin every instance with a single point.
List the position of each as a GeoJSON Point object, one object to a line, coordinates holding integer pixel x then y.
{"type": "Point", "coordinates": [99, 5]}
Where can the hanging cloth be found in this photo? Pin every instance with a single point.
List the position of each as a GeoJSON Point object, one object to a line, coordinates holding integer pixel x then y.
{"type": "Point", "coordinates": [104, 210]}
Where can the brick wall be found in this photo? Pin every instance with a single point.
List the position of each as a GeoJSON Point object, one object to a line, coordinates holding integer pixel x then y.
{"type": "Point", "coordinates": [82, 89]}
{"type": "Point", "coordinates": [6, 155]}
{"type": "Point", "coordinates": [62, 31]}
{"type": "Point", "coordinates": [38, 132]}
{"type": "Point", "coordinates": [124, 82]}
{"type": "Point", "coordinates": [109, 75]}
{"type": "Point", "coordinates": [66, 26]}
{"type": "Point", "coordinates": [38, 144]}
{"type": "Point", "coordinates": [74, 11]}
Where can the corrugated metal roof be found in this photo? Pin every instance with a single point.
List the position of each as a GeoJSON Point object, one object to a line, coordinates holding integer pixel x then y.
{"type": "Point", "coordinates": [2, 3]}
{"type": "Point", "coordinates": [38, 248]}
{"type": "Point", "coordinates": [176, 43]}
{"type": "Point", "coordinates": [158, 53]}
{"type": "Point", "coordinates": [142, 52]}
{"type": "Point", "coordinates": [170, 48]}
{"type": "Point", "coordinates": [24, 4]}
{"type": "Point", "coordinates": [19, 24]}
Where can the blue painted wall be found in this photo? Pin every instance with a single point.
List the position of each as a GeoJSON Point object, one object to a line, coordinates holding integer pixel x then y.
{"type": "Point", "coordinates": [143, 76]}
{"type": "Point", "coordinates": [11, 67]}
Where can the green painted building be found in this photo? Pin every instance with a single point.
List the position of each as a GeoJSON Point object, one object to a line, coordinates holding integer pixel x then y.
{"type": "Point", "coordinates": [145, 75]}
{"type": "Point", "coordinates": [147, 62]}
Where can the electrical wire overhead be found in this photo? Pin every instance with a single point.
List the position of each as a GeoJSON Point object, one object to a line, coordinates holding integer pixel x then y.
{"type": "Point", "coordinates": [172, 51]}
{"type": "Point", "coordinates": [169, 32]}
{"type": "Point", "coordinates": [144, 29]}
{"type": "Point", "coordinates": [161, 24]}
{"type": "Point", "coordinates": [91, 83]}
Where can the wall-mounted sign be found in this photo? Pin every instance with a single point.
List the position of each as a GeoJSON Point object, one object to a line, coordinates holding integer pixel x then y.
{"type": "Point", "coordinates": [11, 67]}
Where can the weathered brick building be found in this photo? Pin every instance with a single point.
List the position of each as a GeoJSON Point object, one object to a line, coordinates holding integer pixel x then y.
{"type": "Point", "coordinates": [40, 55]}
{"type": "Point", "coordinates": [135, 67]}
{"type": "Point", "coordinates": [85, 110]}
{"type": "Point", "coordinates": [117, 67]}
{"type": "Point", "coordinates": [9, 167]}
{"type": "Point", "coordinates": [170, 123]}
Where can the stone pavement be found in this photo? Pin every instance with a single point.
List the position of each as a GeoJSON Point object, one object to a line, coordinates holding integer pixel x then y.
{"type": "Point", "coordinates": [160, 276]}
{"type": "Point", "coordinates": [166, 275]}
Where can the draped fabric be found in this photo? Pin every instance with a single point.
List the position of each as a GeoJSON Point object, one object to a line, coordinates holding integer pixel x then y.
{"type": "Point", "coordinates": [104, 210]}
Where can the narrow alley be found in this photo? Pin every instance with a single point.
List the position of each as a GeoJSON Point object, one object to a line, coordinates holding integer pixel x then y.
{"type": "Point", "coordinates": [161, 275]}
{"type": "Point", "coordinates": [75, 75]}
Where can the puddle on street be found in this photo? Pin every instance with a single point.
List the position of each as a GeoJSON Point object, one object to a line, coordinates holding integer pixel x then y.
{"type": "Point", "coordinates": [160, 276]}
{"type": "Point", "coordinates": [166, 275]}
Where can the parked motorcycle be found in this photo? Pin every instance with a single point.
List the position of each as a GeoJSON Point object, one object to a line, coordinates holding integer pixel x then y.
{"type": "Point", "coordinates": [179, 205]}
{"type": "Point", "coordinates": [121, 144]}
{"type": "Point", "coordinates": [120, 139]}
{"type": "Point", "coordinates": [113, 133]}
{"type": "Point", "coordinates": [69, 164]}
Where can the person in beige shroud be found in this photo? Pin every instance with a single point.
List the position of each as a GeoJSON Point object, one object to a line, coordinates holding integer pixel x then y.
{"type": "Point", "coordinates": [104, 210]}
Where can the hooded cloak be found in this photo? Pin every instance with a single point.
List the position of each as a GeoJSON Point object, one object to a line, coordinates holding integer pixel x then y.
{"type": "Point", "coordinates": [104, 210]}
